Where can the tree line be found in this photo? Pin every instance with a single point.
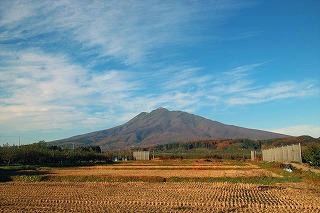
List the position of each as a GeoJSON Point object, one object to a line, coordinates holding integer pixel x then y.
{"type": "Point", "coordinates": [214, 144]}
{"type": "Point", "coordinates": [239, 148]}
{"type": "Point", "coordinates": [41, 154]}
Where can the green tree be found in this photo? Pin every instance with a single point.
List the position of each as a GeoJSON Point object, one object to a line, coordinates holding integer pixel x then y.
{"type": "Point", "coordinates": [8, 154]}
{"type": "Point", "coordinates": [311, 154]}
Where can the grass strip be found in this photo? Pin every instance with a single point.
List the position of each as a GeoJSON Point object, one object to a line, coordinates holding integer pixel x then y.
{"type": "Point", "coordinates": [150, 179]}
{"type": "Point", "coordinates": [163, 168]}
{"type": "Point", "coordinates": [153, 179]}
{"type": "Point", "coordinates": [251, 180]}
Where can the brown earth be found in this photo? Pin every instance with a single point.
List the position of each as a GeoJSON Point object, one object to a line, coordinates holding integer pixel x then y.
{"type": "Point", "coordinates": [305, 168]}
{"type": "Point", "coordinates": [165, 171]}
{"type": "Point", "coordinates": [155, 197]}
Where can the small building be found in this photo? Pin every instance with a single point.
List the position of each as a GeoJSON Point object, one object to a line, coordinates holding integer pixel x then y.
{"type": "Point", "coordinates": [141, 155]}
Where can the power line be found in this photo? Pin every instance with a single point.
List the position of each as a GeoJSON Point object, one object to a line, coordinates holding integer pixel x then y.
{"type": "Point", "coordinates": [8, 136]}
{"type": "Point", "coordinates": [23, 137]}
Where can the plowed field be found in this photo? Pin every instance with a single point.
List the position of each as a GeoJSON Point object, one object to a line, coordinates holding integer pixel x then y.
{"type": "Point", "coordinates": [155, 197]}
{"type": "Point", "coordinates": [167, 186]}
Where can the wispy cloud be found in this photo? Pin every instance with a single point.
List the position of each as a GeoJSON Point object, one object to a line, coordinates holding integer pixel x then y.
{"type": "Point", "coordinates": [39, 88]}
{"type": "Point", "coordinates": [237, 86]}
{"type": "Point", "coordinates": [299, 130]}
{"type": "Point", "coordinates": [74, 64]}
{"type": "Point", "coordinates": [191, 89]}
{"type": "Point", "coordinates": [41, 91]}
{"type": "Point", "coordinates": [276, 91]}
{"type": "Point", "coordinates": [126, 31]}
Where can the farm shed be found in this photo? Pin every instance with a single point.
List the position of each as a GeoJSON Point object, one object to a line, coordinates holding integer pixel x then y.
{"type": "Point", "coordinates": [141, 155]}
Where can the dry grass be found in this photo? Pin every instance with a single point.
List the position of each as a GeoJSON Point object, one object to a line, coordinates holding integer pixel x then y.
{"type": "Point", "coordinates": [155, 197]}
{"type": "Point", "coordinates": [165, 172]}
{"type": "Point", "coordinates": [153, 168]}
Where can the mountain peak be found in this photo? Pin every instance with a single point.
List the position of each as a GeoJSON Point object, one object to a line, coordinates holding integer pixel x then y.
{"type": "Point", "coordinates": [161, 109]}
{"type": "Point", "coordinates": [162, 126]}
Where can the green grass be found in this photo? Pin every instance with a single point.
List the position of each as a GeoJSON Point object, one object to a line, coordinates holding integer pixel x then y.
{"type": "Point", "coordinates": [18, 167]}
{"type": "Point", "coordinates": [28, 178]}
{"type": "Point", "coordinates": [250, 180]}
{"type": "Point", "coordinates": [266, 165]}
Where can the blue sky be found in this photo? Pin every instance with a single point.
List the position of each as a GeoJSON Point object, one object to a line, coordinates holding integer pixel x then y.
{"type": "Point", "coordinates": [72, 67]}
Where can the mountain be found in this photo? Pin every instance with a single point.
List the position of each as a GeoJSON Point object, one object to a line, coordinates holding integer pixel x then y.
{"type": "Point", "coordinates": [162, 126]}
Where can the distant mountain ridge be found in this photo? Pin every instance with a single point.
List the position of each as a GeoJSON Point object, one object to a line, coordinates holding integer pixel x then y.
{"type": "Point", "coordinates": [162, 126]}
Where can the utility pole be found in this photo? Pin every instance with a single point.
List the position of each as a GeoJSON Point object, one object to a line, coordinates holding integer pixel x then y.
{"type": "Point", "coordinates": [19, 142]}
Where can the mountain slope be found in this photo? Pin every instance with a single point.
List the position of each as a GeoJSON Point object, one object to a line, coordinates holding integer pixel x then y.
{"type": "Point", "coordinates": [162, 126]}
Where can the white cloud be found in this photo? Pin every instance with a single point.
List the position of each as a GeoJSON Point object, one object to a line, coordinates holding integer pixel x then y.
{"type": "Point", "coordinates": [35, 77]}
{"type": "Point", "coordinates": [275, 91]}
{"type": "Point", "coordinates": [50, 52]}
{"type": "Point", "coordinates": [185, 78]}
{"type": "Point", "coordinates": [41, 91]}
{"type": "Point", "coordinates": [299, 130]}
{"type": "Point", "coordinates": [190, 88]}
{"type": "Point", "coordinates": [235, 80]}
{"type": "Point", "coordinates": [128, 31]}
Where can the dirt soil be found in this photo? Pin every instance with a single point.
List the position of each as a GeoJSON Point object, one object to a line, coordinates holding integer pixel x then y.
{"type": "Point", "coordinates": [164, 171]}
{"type": "Point", "coordinates": [156, 197]}
{"type": "Point", "coordinates": [305, 168]}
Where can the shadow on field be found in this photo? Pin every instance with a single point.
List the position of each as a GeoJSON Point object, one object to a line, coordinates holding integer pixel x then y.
{"type": "Point", "coordinates": [7, 175]}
